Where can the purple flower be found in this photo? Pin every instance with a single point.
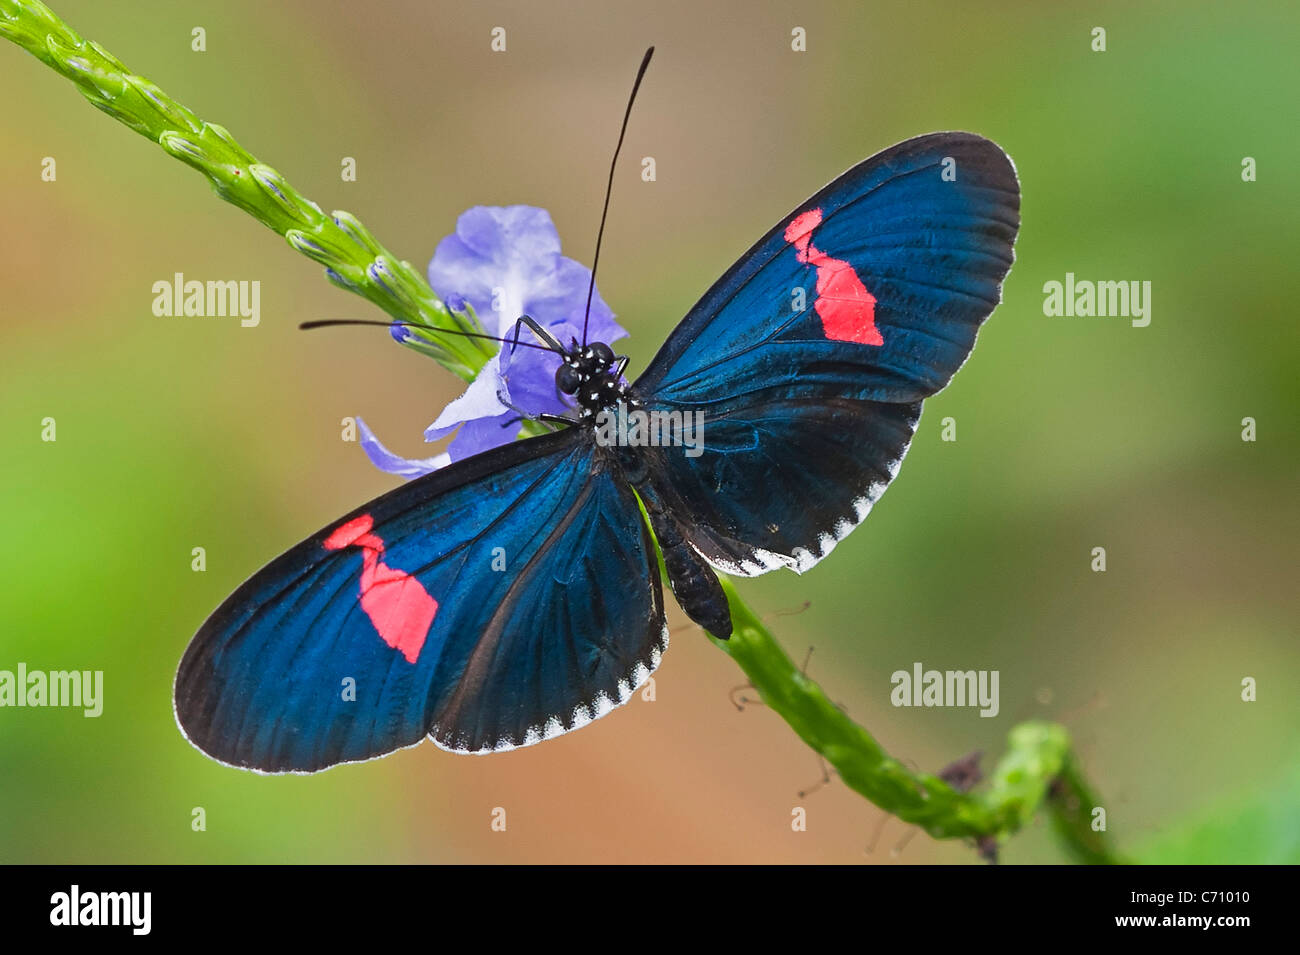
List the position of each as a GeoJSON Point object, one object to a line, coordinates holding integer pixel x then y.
{"type": "Point", "coordinates": [504, 262]}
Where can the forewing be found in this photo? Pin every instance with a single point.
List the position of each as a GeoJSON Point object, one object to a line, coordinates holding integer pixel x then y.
{"type": "Point", "coordinates": [807, 362]}
{"type": "Point", "coordinates": [874, 288]}
{"type": "Point", "coordinates": [354, 643]}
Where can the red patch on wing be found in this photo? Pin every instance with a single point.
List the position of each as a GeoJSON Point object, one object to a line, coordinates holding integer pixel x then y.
{"type": "Point", "coordinates": [846, 308]}
{"type": "Point", "coordinates": [396, 603]}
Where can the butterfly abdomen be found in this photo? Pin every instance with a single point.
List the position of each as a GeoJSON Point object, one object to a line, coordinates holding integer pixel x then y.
{"type": "Point", "coordinates": [693, 582]}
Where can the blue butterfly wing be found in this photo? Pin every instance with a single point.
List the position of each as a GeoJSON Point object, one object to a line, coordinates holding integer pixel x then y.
{"type": "Point", "coordinates": [809, 358]}
{"type": "Point", "coordinates": [780, 483]}
{"type": "Point", "coordinates": [492, 604]}
{"type": "Point", "coordinates": [930, 250]}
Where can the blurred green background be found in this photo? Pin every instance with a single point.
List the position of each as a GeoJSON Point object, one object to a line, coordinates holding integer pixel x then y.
{"type": "Point", "coordinates": [1073, 433]}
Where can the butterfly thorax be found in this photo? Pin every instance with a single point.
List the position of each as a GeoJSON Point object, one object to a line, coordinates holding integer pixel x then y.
{"type": "Point", "coordinates": [593, 375]}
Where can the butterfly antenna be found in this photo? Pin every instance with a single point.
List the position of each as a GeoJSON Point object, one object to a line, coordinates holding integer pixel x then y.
{"type": "Point", "coordinates": [609, 187]}
{"type": "Point", "coordinates": [335, 322]}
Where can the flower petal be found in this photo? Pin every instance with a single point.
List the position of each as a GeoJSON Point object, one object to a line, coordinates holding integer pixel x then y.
{"type": "Point", "coordinates": [482, 434]}
{"type": "Point", "coordinates": [495, 259]}
{"type": "Point", "coordinates": [562, 297]}
{"type": "Point", "coordinates": [505, 233]}
{"type": "Point", "coordinates": [482, 399]}
{"type": "Point", "coordinates": [386, 460]}
{"type": "Point", "coordinates": [506, 262]}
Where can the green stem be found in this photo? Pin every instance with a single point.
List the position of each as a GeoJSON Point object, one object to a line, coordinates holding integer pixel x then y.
{"type": "Point", "coordinates": [352, 257]}
{"type": "Point", "coordinates": [1038, 769]}
{"type": "Point", "coordinates": [1038, 761]}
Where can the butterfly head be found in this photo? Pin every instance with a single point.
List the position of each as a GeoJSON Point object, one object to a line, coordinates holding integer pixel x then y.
{"type": "Point", "coordinates": [592, 374]}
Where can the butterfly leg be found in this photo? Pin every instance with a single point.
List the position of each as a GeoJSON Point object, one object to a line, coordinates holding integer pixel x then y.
{"type": "Point", "coordinates": [547, 338]}
{"type": "Point", "coordinates": [545, 418]}
{"type": "Point", "coordinates": [555, 419]}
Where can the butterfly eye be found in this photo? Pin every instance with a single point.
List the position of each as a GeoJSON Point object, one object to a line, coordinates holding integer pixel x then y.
{"type": "Point", "coordinates": [567, 379]}
{"type": "Point", "coordinates": [603, 353]}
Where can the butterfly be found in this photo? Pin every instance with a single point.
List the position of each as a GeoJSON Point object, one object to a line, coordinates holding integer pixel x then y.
{"type": "Point", "coordinates": [516, 595]}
